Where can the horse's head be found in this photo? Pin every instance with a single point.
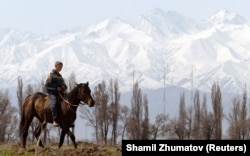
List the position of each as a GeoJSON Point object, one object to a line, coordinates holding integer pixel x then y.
{"type": "Point", "coordinates": [84, 94]}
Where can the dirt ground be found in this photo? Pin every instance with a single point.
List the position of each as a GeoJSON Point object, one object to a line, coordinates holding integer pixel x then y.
{"type": "Point", "coordinates": [83, 149]}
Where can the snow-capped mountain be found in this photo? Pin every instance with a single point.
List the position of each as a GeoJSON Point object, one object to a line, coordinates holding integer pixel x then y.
{"type": "Point", "coordinates": [152, 49]}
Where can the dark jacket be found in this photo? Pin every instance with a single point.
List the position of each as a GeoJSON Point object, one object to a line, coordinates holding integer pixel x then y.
{"type": "Point", "coordinates": [54, 80]}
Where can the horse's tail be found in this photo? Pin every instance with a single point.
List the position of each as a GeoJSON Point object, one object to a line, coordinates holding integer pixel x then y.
{"type": "Point", "coordinates": [21, 125]}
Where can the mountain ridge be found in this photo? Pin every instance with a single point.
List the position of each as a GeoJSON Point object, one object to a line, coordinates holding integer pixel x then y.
{"type": "Point", "coordinates": [151, 52]}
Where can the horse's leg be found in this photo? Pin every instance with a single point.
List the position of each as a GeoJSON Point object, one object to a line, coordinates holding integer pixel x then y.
{"type": "Point", "coordinates": [37, 133]}
{"type": "Point", "coordinates": [24, 131]}
{"type": "Point", "coordinates": [72, 137]}
{"type": "Point", "coordinates": [64, 131]}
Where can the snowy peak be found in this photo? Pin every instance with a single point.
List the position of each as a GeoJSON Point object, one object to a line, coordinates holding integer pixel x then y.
{"type": "Point", "coordinates": [162, 24]}
{"type": "Point", "coordinates": [226, 17]}
{"type": "Point", "coordinates": [152, 49]}
{"type": "Point", "coordinates": [10, 37]}
{"type": "Point", "coordinates": [109, 25]}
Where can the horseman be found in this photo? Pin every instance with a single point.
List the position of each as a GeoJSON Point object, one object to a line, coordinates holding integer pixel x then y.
{"type": "Point", "coordinates": [55, 84]}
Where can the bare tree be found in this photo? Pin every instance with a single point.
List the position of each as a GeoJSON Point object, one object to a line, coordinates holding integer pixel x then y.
{"type": "Point", "coordinates": [197, 133]}
{"type": "Point", "coordinates": [145, 122]}
{"type": "Point", "coordinates": [99, 118]}
{"type": "Point", "coordinates": [20, 97]}
{"type": "Point", "coordinates": [32, 88]}
{"type": "Point", "coordinates": [179, 125]}
{"type": "Point", "coordinates": [103, 112]}
{"type": "Point", "coordinates": [114, 95]}
{"type": "Point", "coordinates": [160, 128]}
{"type": "Point", "coordinates": [43, 89]}
{"type": "Point", "coordinates": [208, 122]}
{"type": "Point", "coordinates": [134, 128]}
{"type": "Point", "coordinates": [92, 116]}
{"type": "Point", "coordinates": [234, 120]}
{"type": "Point", "coordinates": [189, 123]}
{"type": "Point", "coordinates": [217, 108]}
{"type": "Point", "coordinates": [8, 118]}
{"type": "Point", "coordinates": [238, 122]}
{"type": "Point", "coordinates": [124, 118]}
{"type": "Point", "coordinates": [243, 116]}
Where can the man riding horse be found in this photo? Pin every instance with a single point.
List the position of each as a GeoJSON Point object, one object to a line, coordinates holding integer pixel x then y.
{"type": "Point", "coordinates": [38, 104]}
{"type": "Point", "coordinates": [55, 84]}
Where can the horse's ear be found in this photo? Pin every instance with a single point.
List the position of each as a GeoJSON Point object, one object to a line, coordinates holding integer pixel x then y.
{"type": "Point", "coordinates": [87, 83]}
{"type": "Point", "coordinates": [76, 84]}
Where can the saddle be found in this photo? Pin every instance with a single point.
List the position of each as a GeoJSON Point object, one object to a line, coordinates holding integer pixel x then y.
{"type": "Point", "coordinates": [46, 105]}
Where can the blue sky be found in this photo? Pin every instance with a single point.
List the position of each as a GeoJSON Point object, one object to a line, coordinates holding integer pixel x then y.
{"type": "Point", "coordinates": [51, 16]}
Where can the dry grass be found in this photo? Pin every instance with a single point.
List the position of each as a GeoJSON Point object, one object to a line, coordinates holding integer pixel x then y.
{"type": "Point", "coordinates": [83, 149]}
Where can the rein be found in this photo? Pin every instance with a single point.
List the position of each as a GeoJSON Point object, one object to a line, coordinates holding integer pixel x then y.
{"type": "Point", "coordinates": [69, 104]}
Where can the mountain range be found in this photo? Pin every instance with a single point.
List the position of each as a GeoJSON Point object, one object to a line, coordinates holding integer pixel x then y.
{"type": "Point", "coordinates": [163, 48]}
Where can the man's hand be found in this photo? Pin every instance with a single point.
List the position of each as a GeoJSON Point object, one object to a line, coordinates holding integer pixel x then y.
{"type": "Point", "coordinates": [59, 89]}
{"type": "Point", "coordinates": [63, 87]}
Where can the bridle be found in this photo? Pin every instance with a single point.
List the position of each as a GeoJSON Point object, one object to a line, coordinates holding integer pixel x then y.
{"type": "Point", "coordinates": [70, 105]}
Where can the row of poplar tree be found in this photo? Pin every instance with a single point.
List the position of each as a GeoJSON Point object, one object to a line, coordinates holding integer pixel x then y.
{"type": "Point", "coordinates": [112, 121]}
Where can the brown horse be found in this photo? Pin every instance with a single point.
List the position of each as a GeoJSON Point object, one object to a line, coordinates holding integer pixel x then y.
{"type": "Point", "coordinates": [38, 105]}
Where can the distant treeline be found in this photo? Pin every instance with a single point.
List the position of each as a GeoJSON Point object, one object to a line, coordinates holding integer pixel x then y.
{"type": "Point", "coordinates": [112, 121]}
